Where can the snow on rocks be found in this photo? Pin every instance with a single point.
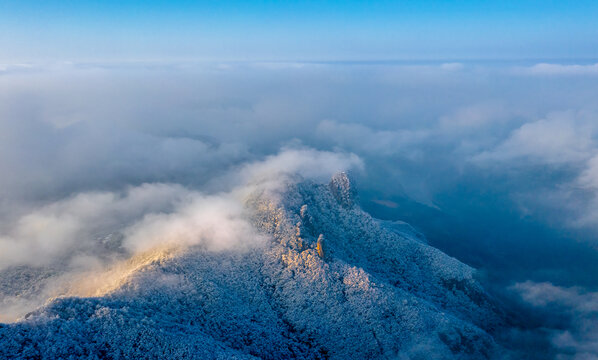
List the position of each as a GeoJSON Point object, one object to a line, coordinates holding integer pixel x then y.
{"type": "Point", "coordinates": [332, 283]}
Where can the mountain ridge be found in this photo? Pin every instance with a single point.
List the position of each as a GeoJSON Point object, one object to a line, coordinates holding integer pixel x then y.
{"type": "Point", "coordinates": [331, 282]}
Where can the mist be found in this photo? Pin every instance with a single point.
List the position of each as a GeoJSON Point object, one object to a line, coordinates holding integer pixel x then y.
{"type": "Point", "coordinates": [83, 241]}
{"type": "Point", "coordinates": [496, 163]}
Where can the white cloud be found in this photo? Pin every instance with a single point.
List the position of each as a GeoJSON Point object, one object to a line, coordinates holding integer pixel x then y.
{"type": "Point", "coordinates": [560, 138]}
{"type": "Point", "coordinates": [545, 294]}
{"type": "Point", "coordinates": [217, 222]}
{"type": "Point", "coordinates": [361, 138]}
{"type": "Point", "coordinates": [475, 117]}
{"type": "Point", "coordinates": [453, 66]}
{"type": "Point", "coordinates": [589, 177]}
{"type": "Point", "coordinates": [63, 229]}
{"type": "Point", "coordinates": [580, 339]}
{"type": "Point", "coordinates": [307, 162]}
{"type": "Point", "coordinates": [559, 69]}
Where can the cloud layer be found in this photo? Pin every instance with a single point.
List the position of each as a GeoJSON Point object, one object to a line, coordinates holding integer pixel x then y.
{"type": "Point", "coordinates": [496, 163]}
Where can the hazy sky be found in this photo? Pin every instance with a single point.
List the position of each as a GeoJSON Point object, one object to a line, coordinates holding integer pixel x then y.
{"type": "Point", "coordinates": [296, 30]}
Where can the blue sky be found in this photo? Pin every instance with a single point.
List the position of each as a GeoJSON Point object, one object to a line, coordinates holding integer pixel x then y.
{"type": "Point", "coordinates": [297, 30]}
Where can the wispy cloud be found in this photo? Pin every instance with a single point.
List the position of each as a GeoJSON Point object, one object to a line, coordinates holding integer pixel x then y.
{"type": "Point", "coordinates": [559, 69]}
{"type": "Point", "coordinates": [560, 138]}
{"type": "Point", "coordinates": [578, 338]}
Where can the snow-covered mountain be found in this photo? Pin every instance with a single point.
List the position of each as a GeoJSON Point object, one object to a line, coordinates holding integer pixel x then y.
{"type": "Point", "coordinates": [329, 282]}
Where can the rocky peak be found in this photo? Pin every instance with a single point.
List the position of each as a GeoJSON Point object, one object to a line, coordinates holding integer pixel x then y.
{"type": "Point", "coordinates": [341, 186]}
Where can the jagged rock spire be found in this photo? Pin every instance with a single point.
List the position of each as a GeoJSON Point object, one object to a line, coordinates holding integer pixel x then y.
{"type": "Point", "coordinates": [320, 246]}
{"type": "Point", "coordinates": [341, 186]}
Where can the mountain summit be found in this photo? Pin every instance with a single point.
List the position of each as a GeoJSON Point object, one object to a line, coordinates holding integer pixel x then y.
{"type": "Point", "coordinates": [330, 282]}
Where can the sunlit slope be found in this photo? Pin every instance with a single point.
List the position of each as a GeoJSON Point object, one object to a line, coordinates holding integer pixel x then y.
{"type": "Point", "coordinates": [332, 282]}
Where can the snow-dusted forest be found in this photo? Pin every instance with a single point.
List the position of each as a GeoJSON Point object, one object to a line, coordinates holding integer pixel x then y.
{"type": "Point", "coordinates": [312, 277]}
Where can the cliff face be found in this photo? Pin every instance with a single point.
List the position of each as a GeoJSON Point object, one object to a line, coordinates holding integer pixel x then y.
{"type": "Point", "coordinates": [331, 282]}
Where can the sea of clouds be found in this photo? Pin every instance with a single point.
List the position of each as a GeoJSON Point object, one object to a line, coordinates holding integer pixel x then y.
{"type": "Point", "coordinates": [497, 163]}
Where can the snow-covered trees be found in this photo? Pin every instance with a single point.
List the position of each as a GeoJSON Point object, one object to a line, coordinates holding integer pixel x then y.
{"type": "Point", "coordinates": [332, 283]}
